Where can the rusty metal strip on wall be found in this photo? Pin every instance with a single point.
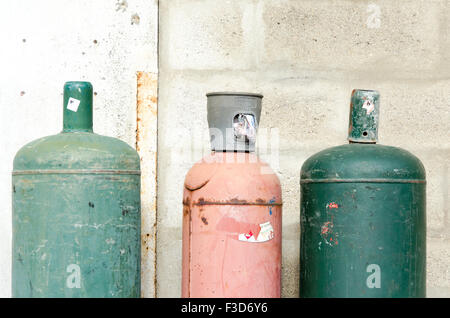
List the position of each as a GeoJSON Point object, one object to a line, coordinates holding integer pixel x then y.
{"type": "Point", "coordinates": [146, 145]}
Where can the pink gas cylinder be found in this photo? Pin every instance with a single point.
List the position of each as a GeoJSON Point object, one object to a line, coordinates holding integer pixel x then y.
{"type": "Point", "coordinates": [232, 209]}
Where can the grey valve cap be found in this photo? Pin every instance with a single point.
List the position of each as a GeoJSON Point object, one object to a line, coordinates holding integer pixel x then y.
{"type": "Point", "coordinates": [233, 120]}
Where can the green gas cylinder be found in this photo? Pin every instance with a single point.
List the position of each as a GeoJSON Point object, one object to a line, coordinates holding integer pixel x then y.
{"type": "Point", "coordinates": [363, 221]}
{"type": "Point", "coordinates": [76, 210]}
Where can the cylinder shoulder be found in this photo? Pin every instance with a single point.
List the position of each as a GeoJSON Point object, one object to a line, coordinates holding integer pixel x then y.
{"type": "Point", "coordinates": [363, 161]}
{"type": "Point", "coordinates": [226, 176]}
{"type": "Point", "coordinates": [233, 163]}
{"type": "Point", "coordinates": [76, 150]}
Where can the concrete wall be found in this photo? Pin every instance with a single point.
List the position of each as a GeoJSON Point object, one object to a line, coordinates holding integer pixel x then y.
{"type": "Point", "coordinates": [305, 57]}
{"type": "Point", "coordinates": [45, 43]}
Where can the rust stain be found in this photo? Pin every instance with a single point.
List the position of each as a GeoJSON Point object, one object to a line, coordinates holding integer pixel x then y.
{"type": "Point", "coordinates": [186, 210]}
{"type": "Point", "coordinates": [235, 201]}
{"type": "Point", "coordinates": [187, 201]}
{"type": "Point", "coordinates": [147, 101]}
{"type": "Point", "coordinates": [146, 145]}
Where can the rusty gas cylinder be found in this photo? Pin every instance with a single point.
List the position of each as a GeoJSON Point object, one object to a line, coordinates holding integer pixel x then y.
{"type": "Point", "coordinates": [232, 209]}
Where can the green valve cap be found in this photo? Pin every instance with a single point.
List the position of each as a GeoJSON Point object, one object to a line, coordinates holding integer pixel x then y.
{"type": "Point", "coordinates": [364, 113]}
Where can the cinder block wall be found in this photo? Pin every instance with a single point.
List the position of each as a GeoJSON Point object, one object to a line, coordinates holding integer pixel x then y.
{"type": "Point", "coordinates": [305, 56]}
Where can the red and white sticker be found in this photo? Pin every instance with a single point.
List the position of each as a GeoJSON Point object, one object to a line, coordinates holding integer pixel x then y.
{"type": "Point", "coordinates": [265, 234]}
{"type": "Point", "coordinates": [72, 104]}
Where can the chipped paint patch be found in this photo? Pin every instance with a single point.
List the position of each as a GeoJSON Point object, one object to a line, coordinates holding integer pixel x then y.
{"type": "Point", "coordinates": [327, 229]}
{"type": "Point", "coordinates": [329, 236]}
{"type": "Point", "coordinates": [110, 241]}
{"type": "Point", "coordinates": [332, 205]}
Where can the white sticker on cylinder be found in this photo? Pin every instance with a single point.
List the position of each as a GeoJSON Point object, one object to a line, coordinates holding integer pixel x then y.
{"type": "Point", "coordinates": [266, 234]}
{"type": "Point", "coordinates": [72, 104]}
{"type": "Point", "coordinates": [368, 106]}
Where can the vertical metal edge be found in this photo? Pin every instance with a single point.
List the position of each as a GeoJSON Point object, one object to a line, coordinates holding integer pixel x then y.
{"type": "Point", "coordinates": [146, 146]}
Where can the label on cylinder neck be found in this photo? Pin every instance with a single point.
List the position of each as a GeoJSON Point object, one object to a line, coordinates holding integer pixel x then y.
{"type": "Point", "coordinates": [72, 104]}
{"type": "Point", "coordinates": [368, 106]}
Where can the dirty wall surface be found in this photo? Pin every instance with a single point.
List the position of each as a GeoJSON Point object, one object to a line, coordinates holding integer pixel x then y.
{"type": "Point", "coordinates": [46, 43]}
{"type": "Point", "coordinates": [305, 57]}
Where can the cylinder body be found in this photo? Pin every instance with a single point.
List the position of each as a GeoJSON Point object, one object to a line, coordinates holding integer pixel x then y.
{"type": "Point", "coordinates": [231, 228]}
{"type": "Point", "coordinates": [76, 211]}
{"type": "Point", "coordinates": [363, 223]}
